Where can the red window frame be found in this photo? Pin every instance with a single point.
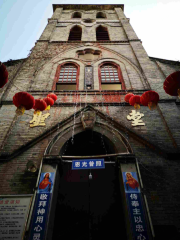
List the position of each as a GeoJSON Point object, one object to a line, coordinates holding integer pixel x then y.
{"type": "Point", "coordinates": [56, 78]}
{"type": "Point", "coordinates": [121, 80]}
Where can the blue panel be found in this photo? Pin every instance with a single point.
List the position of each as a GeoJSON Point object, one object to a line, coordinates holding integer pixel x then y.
{"type": "Point", "coordinates": [88, 164]}
{"type": "Point", "coordinates": [41, 206]}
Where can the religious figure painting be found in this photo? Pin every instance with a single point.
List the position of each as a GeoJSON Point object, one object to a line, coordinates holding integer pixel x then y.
{"type": "Point", "coordinates": [46, 182]}
{"type": "Point", "coordinates": [130, 182]}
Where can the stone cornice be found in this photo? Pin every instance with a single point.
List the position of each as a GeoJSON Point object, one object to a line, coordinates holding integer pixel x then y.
{"type": "Point", "coordinates": [99, 42]}
{"type": "Point", "coordinates": [88, 7]}
{"type": "Point", "coordinates": [76, 20]}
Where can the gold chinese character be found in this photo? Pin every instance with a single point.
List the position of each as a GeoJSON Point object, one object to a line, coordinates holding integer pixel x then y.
{"type": "Point", "coordinates": [38, 119]}
{"type": "Point", "coordinates": [135, 118]}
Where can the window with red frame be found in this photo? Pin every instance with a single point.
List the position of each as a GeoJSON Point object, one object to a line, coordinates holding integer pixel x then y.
{"type": "Point", "coordinates": [67, 77]}
{"type": "Point", "coordinates": [110, 77]}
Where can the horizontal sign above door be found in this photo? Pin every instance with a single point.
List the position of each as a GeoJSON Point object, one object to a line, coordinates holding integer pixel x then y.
{"type": "Point", "coordinates": [88, 164]}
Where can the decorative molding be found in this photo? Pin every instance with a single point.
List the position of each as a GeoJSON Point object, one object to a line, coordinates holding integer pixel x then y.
{"type": "Point", "coordinates": [88, 119]}
{"type": "Point", "coordinates": [88, 7]}
{"type": "Point", "coordinates": [89, 78]}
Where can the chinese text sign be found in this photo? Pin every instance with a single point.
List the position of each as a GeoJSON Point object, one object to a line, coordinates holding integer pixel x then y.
{"type": "Point", "coordinates": [88, 164]}
{"type": "Point", "coordinates": [13, 217]}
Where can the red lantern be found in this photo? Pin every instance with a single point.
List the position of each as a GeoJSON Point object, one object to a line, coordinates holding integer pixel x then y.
{"type": "Point", "coordinates": [40, 105]}
{"type": "Point", "coordinates": [150, 99]}
{"type": "Point", "coordinates": [3, 75]}
{"type": "Point", "coordinates": [23, 101]}
{"type": "Point", "coordinates": [172, 84]}
{"type": "Point", "coordinates": [53, 96]}
{"type": "Point", "coordinates": [128, 96]}
{"type": "Point", "coordinates": [135, 101]}
{"type": "Point", "coordinates": [49, 101]}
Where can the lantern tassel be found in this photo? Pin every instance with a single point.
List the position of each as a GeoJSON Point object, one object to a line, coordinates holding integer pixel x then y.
{"type": "Point", "coordinates": [20, 110]}
{"type": "Point", "coordinates": [152, 105]}
{"type": "Point", "coordinates": [136, 106]}
{"type": "Point", "coordinates": [178, 91]}
{"type": "Point", "coordinates": [37, 112]}
{"type": "Point", "coordinates": [48, 108]}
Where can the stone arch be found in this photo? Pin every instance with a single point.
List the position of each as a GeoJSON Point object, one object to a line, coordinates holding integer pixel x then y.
{"type": "Point", "coordinates": [101, 15]}
{"type": "Point", "coordinates": [118, 142]}
{"type": "Point", "coordinates": [71, 195]}
{"type": "Point", "coordinates": [116, 69]}
{"type": "Point", "coordinates": [72, 65]}
{"type": "Point", "coordinates": [131, 73]}
{"type": "Point", "coordinates": [102, 33]}
{"type": "Point", "coordinates": [122, 63]}
{"type": "Point", "coordinates": [75, 33]}
{"type": "Point", "coordinates": [77, 15]}
{"type": "Point", "coordinates": [49, 71]}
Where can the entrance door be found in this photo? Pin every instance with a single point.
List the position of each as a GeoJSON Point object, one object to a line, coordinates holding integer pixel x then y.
{"type": "Point", "coordinates": [89, 209]}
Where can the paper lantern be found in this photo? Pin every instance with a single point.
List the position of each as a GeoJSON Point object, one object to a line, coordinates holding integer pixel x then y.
{"type": "Point", "coordinates": [53, 96]}
{"type": "Point", "coordinates": [172, 84]}
{"type": "Point", "coordinates": [135, 101]}
{"type": "Point", "coordinates": [150, 99]}
{"type": "Point", "coordinates": [3, 75]}
{"type": "Point", "coordinates": [49, 101]}
{"type": "Point", "coordinates": [23, 101]}
{"type": "Point", "coordinates": [128, 96]}
{"type": "Point", "coordinates": [39, 106]}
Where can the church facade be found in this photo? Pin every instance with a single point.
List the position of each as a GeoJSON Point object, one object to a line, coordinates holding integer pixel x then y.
{"type": "Point", "coordinates": [92, 166]}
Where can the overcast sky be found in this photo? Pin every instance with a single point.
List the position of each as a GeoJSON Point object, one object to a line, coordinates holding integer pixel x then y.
{"type": "Point", "coordinates": [156, 22]}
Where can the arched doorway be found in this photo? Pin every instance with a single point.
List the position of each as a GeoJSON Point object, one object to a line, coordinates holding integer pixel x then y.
{"type": "Point", "coordinates": [89, 208]}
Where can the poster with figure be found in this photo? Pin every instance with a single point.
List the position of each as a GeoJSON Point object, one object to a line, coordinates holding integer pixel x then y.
{"type": "Point", "coordinates": [46, 182]}
{"type": "Point", "coordinates": [135, 206]}
{"type": "Point", "coordinates": [42, 206]}
{"type": "Point", "coordinates": [131, 184]}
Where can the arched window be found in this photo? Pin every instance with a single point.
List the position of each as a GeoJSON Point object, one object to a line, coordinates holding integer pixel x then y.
{"type": "Point", "coordinates": [75, 34]}
{"type": "Point", "coordinates": [102, 34]}
{"type": "Point", "coordinates": [76, 15]}
{"type": "Point", "coordinates": [110, 77]}
{"type": "Point", "coordinates": [100, 15]}
{"type": "Point", "coordinates": [66, 77]}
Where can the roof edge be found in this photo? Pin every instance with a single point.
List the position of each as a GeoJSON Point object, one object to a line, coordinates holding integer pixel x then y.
{"type": "Point", "coordinates": [173, 62]}
{"type": "Point", "coordinates": [88, 6]}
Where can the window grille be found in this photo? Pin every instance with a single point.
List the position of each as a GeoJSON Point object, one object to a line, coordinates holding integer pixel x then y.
{"type": "Point", "coordinates": [75, 34]}
{"type": "Point", "coordinates": [102, 34]}
{"type": "Point", "coordinates": [110, 77]}
{"type": "Point", "coordinates": [68, 74]}
{"type": "Point", "coordinates": [109, 74]}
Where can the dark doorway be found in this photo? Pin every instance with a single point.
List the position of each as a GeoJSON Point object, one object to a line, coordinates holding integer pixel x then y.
{"type": "Point", "coordinates": [89, 208]}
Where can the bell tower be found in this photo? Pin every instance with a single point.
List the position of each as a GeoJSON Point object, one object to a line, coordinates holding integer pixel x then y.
{"type": "Point", "coordinates": [93, 166]}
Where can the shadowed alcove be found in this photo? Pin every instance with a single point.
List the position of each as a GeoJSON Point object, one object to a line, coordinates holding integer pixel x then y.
{"type": "Point", "coordinates": [89, 208]}
{"type": "Point", "coordinates": [88, 143]}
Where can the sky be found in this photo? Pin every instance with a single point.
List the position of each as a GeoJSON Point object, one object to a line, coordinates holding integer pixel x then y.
{"type": "Point", "coordinates": [156, 23]}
